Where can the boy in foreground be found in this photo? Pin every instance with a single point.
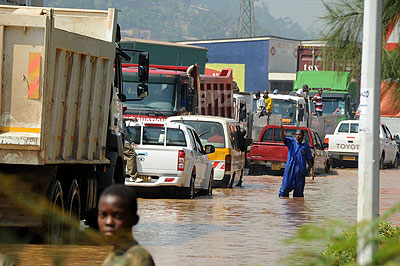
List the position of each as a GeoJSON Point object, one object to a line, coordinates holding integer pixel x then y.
{"type": "Point", "coordinates": [117, 214]}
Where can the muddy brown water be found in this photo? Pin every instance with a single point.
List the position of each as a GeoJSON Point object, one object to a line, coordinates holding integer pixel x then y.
{"type": "Point", "coordinates": [240, 226]}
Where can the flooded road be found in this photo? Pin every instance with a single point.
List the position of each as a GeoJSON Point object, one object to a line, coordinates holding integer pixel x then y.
{"type": "Point", "coordinates": [240, 226]}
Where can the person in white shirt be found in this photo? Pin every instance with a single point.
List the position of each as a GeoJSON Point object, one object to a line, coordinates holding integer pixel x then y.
{"type": "Point", "coordinates": [303, 91]}
{"type": "Point", "coordinates": [260, 104]}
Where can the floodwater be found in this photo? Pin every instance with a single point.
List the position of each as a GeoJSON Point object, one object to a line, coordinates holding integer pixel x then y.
{"type": "Point", "coordinates": [240, 226]}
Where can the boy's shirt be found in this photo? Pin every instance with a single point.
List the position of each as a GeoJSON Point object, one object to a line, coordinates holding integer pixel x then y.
{"type": "Point", "coordinates": [268, 104]}
{"type": "Point", "coordinates": [133, 255]}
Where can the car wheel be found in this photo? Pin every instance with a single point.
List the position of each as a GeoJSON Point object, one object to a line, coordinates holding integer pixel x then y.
{"type": "Point", "coordinates": [190, 190]}
{"type": "Point", "coordinates": [382, 161]}
{"type": "Point", "coordinates": [210, 184]}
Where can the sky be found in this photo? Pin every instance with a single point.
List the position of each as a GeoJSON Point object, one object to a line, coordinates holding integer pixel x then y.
{"type": "Point", "coordinates": [304, 12]}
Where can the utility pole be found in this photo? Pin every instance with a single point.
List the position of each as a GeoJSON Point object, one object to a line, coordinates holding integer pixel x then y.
{"type": "Point", "coordinates": [246, 23]}
{"type": "Point", "coordinates": [369, 156]}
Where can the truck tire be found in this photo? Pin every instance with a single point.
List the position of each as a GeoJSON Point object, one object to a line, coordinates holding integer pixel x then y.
{"type": "Point", "coordinates": [382, 161]}
{"type": "Point", "coordinates": [395, 164]}
{"type": "Point", "coordinates": [210, 184]}
{"type": "Point", "coordinates": [54, 220]}
{"type": "Point", "coordinates": [73, 209]}
{"type": "Point", "coordinates": [232, 180]}
{"type": "Point", "coordinates": [190, 192]}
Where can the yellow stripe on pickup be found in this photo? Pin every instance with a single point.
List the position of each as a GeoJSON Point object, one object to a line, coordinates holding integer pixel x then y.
{"type": "Point", "coordinates": [219, 154]}
{"type": "Point", "coordinates": [20, 129]}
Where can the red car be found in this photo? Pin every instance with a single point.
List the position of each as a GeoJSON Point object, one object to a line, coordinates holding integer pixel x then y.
{"type": "Point", "coordinates": [271, 153]}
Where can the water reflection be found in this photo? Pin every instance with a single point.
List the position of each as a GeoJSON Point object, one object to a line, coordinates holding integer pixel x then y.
{"type": "Point", "coordinates": [240, 226]}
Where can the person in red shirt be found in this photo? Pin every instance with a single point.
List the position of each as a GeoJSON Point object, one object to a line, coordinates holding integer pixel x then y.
{"type": "Point", "coordinates": [217, 135]}
{"type": "Point", "coordinates": [318, 104]}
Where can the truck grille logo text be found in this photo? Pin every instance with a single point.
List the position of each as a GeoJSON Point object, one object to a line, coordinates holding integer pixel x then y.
{"type": "Point", "coordinates": [347, 146]}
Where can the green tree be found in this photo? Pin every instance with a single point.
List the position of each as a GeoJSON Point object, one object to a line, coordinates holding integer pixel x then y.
{"type": "Point", "coordinates": [343, 34]}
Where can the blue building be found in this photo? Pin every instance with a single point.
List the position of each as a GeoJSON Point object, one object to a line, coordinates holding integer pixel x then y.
{"type": "Point", "coordinates": [259, 63]}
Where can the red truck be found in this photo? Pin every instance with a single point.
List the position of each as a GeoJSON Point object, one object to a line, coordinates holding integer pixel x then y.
{"type": "Point", "coordinates": [271, 153]}
{"type": "Point", "coordinates": [178, 90]}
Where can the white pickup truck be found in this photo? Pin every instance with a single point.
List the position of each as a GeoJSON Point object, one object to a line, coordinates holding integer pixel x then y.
{"type": "Point", "coordinates": [344, 144]}
{"type": "Point", "coordinates": [170, 156]}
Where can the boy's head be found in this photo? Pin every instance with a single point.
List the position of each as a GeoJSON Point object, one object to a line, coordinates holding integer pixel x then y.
{"type": "Point", "coordinates": [117, 213]}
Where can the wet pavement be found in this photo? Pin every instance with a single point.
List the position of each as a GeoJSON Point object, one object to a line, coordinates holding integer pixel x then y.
{"type": "Point", "coordinates": [240, 226]}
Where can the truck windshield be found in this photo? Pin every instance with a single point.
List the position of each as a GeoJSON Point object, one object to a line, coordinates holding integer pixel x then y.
{"type": "Point", "coordinates": [333, 106]}
{"type": "Point", "coordinates": [286, 108]}
{"type": "Point", "coordinates": [161, 97]}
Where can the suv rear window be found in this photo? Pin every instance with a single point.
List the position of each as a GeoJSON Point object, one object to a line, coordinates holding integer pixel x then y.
{"type": "Point", "coordinates": [175, 137]}
{"type": "Point", "coordinates": [156, 136]}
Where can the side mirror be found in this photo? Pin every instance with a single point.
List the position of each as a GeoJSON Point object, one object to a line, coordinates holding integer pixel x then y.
{"type": "Point", "coordinates": [142, 90]}
{"type": "Point", "coordinates": [396, 137]}
{"type": "Point", "coordinates": [143, 67]}
{"type": "Point", "coordinates": [209, 149]}
{"type": "Point", "coordinates": [325, 146]}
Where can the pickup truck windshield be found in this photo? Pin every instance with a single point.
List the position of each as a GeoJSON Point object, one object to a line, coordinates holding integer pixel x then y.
{"type": "Point", "coordinates": [209, 132]}
{"type": "Point", "coordinates": [161, 97]}
{"type": "Point", "coordinates": [333, 106]}
{"type": "Point", "coordinates": [286, 108]}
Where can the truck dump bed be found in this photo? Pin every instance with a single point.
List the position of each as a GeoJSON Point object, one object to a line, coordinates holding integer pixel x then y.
{"type": "Point", "coordinates": [56, 71]}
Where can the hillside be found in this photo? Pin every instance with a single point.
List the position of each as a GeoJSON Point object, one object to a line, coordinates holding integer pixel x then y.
{"type": "Point", "coordinates": [175, 20]}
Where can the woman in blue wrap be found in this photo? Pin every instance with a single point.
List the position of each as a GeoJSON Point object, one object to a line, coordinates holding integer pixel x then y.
{"type": "Point", "coordinates": [299, 155]}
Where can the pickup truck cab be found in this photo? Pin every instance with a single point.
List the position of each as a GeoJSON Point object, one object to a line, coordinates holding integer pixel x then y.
{"type": "Point", "coordinates": [344, 144]}
{"type": "Point", "coordinates": [271, 153]}
{"type": "Point", "coordinates": [170, 156]}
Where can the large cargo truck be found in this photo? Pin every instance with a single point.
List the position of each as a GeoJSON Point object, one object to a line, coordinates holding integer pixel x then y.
{"type": "Point", "coordinates": [178, 90]}
{"type": "Point", "coordinates": [340, 95]}
{"type": "Point", "coordinates": [61, 114]}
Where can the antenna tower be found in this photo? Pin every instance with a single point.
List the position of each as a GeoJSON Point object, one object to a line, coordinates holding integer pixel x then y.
{"type": "Point", "coordinates": [246, 23]}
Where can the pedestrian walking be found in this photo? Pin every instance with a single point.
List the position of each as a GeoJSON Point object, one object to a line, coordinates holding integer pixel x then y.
{"type": "Point", "coordinates": [299, 156]}
{"type": "Point", "coordinates": [116, 216]}
{"type": "Point", "coordinates": [318, 104]}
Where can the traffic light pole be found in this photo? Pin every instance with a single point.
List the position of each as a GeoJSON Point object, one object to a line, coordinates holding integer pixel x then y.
{"type": "Point", "coordinates": [369, 153]}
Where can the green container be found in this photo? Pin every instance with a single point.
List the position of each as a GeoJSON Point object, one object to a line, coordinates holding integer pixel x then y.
{"type": "Point", "coordinates": [167, 53]}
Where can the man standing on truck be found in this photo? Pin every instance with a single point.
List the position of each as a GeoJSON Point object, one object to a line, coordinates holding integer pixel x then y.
{"type": "Point", "coordinates": [260, 104]}
{"type": "Point", "coordinates": [268, 105]}
{"type": "Point", "coordinates": [318, 104]}
{"type": "Point", "coordinates": [299, 155]}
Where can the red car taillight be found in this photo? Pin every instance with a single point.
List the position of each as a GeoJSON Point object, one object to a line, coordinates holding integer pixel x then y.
{"type": "Point", "coordinates": [181, 160]}
{"type": "Point", "coordinates": [228, 162]}
{"type": "Point", "coordinates": [327, 142]}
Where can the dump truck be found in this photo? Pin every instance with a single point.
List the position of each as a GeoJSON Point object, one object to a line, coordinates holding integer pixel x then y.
{"type": "Point", "coordinates": [178, 90]}
{"type": "Point", "coordinates": [61, 111]}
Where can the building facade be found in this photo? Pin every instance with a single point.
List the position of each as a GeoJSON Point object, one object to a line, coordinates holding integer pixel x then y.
{"type": "Point", "coordinates": [259, 63]}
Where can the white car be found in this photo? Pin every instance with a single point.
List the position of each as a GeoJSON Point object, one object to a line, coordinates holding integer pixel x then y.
{"type": "Point", "coordinates": [170, 155]}
{"type": "Point", "coordinates": [344, 144]}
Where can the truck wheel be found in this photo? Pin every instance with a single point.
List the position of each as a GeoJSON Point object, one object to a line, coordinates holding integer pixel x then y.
{"type": "Point", "coordinates": [210, 184]}
{"type": "Point", "coordinates": [334, 164]}
{"type": "Point", "coordinates": [382, 161]}
{"type": "Point", "coordinates": [55, 219]}
{"type": "Point", "coordinates": [396, 162]}
{"type": "Point", "coordinates": [327, 166]}
{"type": "Point", "coordinates": [74, 210]}
{"type": "Point", "coordinates": [232, 181]}
{"type": "Point", "coordinates": [239, 184]}
{"type": "Point", "coordinates": [189, 192]}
